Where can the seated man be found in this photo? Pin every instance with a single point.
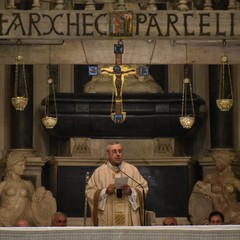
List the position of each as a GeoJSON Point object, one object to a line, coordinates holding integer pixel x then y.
{"type": "Point", "coordinates": [22, 223]}
{"type": "Point", "coordinates": [59, 219]}
{"type": "Point", "coordinates": [216, 218]}
{"type": "Point", "coordinates": [169, 221]}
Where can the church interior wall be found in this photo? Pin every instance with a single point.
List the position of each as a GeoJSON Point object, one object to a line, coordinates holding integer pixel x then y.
{"type": "Point", "coordinates": [2, 108]}
{"type": "Point", "coordinates": [236, 112]}
{"type": "Point", "coordinates": [66, 84]}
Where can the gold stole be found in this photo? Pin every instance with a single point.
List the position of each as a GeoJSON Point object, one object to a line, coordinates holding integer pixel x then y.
{"type": "Point", "coordinates": [120, 211]}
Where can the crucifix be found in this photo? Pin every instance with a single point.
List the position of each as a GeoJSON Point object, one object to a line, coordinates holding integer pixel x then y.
{"type": "Point", "coordinates": [118, 72]}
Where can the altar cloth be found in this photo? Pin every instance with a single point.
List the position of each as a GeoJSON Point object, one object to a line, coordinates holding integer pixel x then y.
{"type": "Point", "coordinates": [221, 232]}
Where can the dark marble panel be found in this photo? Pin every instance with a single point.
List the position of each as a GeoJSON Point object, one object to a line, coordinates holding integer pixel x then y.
{"type": "Point", "coordinates": [169, 189]}
{"type": "Point", "coordinates": [148, 116]}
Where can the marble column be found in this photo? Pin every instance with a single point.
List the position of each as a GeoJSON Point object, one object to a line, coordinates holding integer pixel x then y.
{"type": "Point", "coordinates": [22, 121]}
{"type": "Point", "coordinates": [220, 122]}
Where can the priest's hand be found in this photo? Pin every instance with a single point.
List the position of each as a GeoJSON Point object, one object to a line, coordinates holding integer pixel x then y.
{"type": "Point", "coordinates": [110, 189]}
{"type": "Point", "coordinates": [126, 190]}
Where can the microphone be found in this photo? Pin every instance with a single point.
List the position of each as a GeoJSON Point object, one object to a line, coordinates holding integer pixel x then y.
{"type": "Point", "coordinates": [119, 193]}
{"type": "Point", "coordinates": [138, 184]}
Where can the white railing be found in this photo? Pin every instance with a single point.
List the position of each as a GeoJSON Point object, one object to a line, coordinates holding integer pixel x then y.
{"type": "Point", "coordinates": [150, 5]}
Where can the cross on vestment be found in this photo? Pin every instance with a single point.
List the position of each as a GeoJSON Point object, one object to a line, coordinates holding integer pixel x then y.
{"type": "Point", "coordinates": [118, 73]}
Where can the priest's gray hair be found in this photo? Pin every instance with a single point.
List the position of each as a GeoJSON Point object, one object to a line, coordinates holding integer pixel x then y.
{"type": "Point", "coordinates": [112, 143]}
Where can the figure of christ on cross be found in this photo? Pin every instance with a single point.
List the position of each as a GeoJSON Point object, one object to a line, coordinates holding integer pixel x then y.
{"type": "Point", "coordinates": [118, 74]}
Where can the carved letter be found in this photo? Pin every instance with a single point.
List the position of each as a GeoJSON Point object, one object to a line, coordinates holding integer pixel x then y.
{"type": "Point", "coordinates": [153, 23]}
{"type": "Point", "coordinates": [1, 22]}
{"type": "Point", "coordinates": [70, 24]}
{"type": "Point", "coordinates": [202, 24]}
{"type": "Point", "coordinates": [32, 23]}
{"type": "Point", "coordinates": [232, 25]}
{"type": "Point", "coordinates": [140, 18]}
{"type": "Point", "coordinates": [52, 28]}
{"type": "Point", "coordinates": [54, 20]}
{"type": "Point", "coordinates": [96, 24]}
{"type": "Point", "coordinates": [15, 24]}
{"type": "Point", "coordinates": [186, 15]}
{"type": "Point", "coordinates": [218, 33]}
{"type": "Point", "coordinates": [85, 24]}
{"type": "Point", "coordinates": [172, 19]}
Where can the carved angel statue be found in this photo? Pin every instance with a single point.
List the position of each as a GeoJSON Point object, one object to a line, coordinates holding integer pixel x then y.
{"type": "Point", "coordinates": [18, 198]}
{"type": "Point", "coordinates": [217, 192]}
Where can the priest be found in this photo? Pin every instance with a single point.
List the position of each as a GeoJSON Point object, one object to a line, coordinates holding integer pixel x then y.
{"type": "Point", "coordinates": [116, 191]}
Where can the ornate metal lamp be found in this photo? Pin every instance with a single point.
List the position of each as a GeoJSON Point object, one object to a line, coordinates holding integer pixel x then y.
{"type": "Point", "coordinates": [20, 99]}
{"type": "Point", "coordinates": [187, 118]}
{"type": "Point", "coordinates": [225, 96]}
{"type": "Point", "coordinates": [50, 121]}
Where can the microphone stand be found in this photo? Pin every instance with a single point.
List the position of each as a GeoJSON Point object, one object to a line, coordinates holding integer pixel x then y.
{"type": "Point", "coordinates": [143, 192]}
{"type": "Point", "coordinates": [85, 202]}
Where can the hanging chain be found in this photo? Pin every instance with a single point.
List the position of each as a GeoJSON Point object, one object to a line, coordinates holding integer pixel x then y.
{"type": "Point", "coordinates": [54, 99]}
{"type": "Point", "coordinates": [19, 59]}
{"type": "Point", "coordinates": [191, 94]}
{"type": "Point", "coordinates": [224, 64]}
{"type": "Point", "coordinates": [50, 83]}
{"type": "Point", "coordinates": [187, 85]}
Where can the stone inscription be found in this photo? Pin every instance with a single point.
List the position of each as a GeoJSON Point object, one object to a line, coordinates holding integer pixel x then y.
{"type": "Point", "coordinates": [96, 24]}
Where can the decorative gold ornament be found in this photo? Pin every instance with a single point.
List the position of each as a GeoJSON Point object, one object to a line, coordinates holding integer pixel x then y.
{"type": "Point", "coordinates": [50, 121]}
{"type": "Point", "coordinates": [187, 119]}
{"type": "Point", "coordinates": [20, 102]}
{"type": "Point", "coordinates": [187, 122]}
{"type": "Point", "coordinates": [224, 104]}
{"type": "Point", "coordinates": [225, 98]}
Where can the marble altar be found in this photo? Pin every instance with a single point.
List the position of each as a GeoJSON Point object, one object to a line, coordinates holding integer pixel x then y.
{"type": "Point", "coordinates": [223, 232]}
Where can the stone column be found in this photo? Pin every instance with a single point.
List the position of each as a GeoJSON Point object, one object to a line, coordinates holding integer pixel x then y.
{"type": "Point", "coordinates": [60, 5]}
{"type": "Point", "coordinates": [151, 5]}
{"type": "Point", "coordinates": [36, 4]}
{"type": "Point", "coordinates": [208, 5]}
{"type": "Point", "coordinates": [182, 5]}
{"type": "Point", "coordinates": [22, 121]}
{"type": "Point", "coordinates": [220, 122]}
{"type": "Point", "coordinates": [90, 5]}
{"type": "Point", "coordinates": [232, 4]}
{"type": "Point", "coordinates": [11, 4]}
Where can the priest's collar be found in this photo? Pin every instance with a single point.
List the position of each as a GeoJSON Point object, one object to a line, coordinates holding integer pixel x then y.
{"type": "Point", "coordinates": [115, 168]}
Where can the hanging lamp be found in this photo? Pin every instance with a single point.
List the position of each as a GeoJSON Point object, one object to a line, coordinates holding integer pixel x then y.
{"type": "Point", "coordinates": [50, 120]}
{"type": "Point", "coordinates": [187, 118]}
{"type": "Point", "coordinates": [20, 98]}
{"type": "Point", "coordinates": [225, 95]}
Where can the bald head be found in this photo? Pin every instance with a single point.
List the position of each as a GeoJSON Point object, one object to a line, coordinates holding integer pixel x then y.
{"type": "Point", "coordinates": [169, 221]}
{"type": "Point", "coordinates": [59, 219]}
{"type": "Point", "coordinates": [22, 223]}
